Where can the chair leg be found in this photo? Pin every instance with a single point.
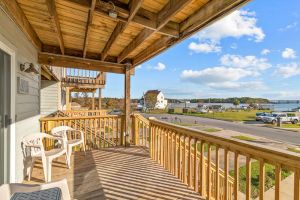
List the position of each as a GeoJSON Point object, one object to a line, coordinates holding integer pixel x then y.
{"type": "Point", "coordinates": [83, 146]}
{"type": "Point", "coordinates": [49, 168]}
{"type": "Point", "coordinates": [31, 168]}
{"type": "Point", "coordinates": [69, 152]}
{"type": "Point", "coordinates": [44, 162]}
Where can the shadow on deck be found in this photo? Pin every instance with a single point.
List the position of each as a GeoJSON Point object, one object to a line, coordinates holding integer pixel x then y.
{"type": "Point", "coordinates": [117, 173]}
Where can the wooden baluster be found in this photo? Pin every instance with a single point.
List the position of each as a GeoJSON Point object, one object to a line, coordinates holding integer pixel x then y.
{"type": "Point", "coordinates": [168, 151]}
{"type": "Point", "coordinates": [226, 174]}
{"type": "Point", "coordinates": [196, 188]}
{"type": "Point", "coordinates": [248, 178]}
{"type": "Point", "coordinates": [184, 160]}
{"type": "Point", "coordinates": [217, 195]}
{"type": "Point", "coordinates": [175, 155]}
{"type": "Point", "coordinates": [261, 179]}
{"type": "Point", "coordinates": [162, 146]}
{"type": "Point", "coordinates": [145, 133]}
{"type": "Point", "coordinates": [277, 181]}
{"type": "Point", "coordinates": [179, 163]}
{"type": "Point", "coordinates": [202, 169]}
{"type": "Point", "coordinates": [189, 164]}
{"type": "Point", "coordinates": [236, 175]}
{"type": "Point", "coordinates": [208, 177]}
{"type": "Point", "coordinates": [297, 185]}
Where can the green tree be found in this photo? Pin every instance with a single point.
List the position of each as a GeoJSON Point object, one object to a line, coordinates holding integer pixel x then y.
{"type": "Point", "coordinates": [150, 100]}
{"type": "Point", "coordinates": [236, 102]}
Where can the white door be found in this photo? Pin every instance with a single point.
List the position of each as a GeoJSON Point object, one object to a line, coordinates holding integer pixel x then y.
{"type": "Point", "coordinates": [5, 115]}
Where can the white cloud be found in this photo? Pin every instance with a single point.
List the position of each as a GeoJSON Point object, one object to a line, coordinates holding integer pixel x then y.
{"type": "Point", "coordinates": [139, 67]}
{"type": "Point", "coordinates": [160, 67]}
{"type": "Point", "coordinates": [204, 47]}
{"type": "Point", "coordinates": [238, 24]}
{"type": "Point", "coordinates": [251, 85]}
{"type": "Point", "coordinates": [288, 53]}
{"type": "Point", "coordinates": [215, 75]}
{"type": "Point", "coordinates": [288, 70]}
{"type": "Point", "coordinates": [289, 26]}
{"type": "Point", "coordinates": [247, 62]}
{"type": "Point", "coordinates": [284, 95]}
{"type": "Point", "coordinates": [265, 52]}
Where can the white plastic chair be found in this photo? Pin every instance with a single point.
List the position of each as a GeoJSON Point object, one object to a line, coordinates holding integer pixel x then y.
{"type": "Point", "coordinates": [7, 190]}
{"type": "Point", "coordinates": [33, 147]}
{"type": "Point", "coordinates": [62, 131]}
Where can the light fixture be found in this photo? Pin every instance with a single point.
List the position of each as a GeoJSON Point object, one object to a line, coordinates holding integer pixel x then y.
{"type": "Point", "coordinates": [112, 12]}
{"type": "Point", "coordinates": [28, 68]}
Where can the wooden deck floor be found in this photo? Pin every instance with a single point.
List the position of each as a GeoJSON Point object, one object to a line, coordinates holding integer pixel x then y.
{"type": "Point", "coordinates": [116, 173]}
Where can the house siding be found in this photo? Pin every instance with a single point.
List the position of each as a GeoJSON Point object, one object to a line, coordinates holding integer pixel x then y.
{"type": "Point", "coordinates": [27, 107]}
{"type": "Point", "coordinates": [50, 97]}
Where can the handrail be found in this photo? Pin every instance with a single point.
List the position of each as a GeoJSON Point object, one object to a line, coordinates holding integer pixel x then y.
{"type": "Point", "coordinates": [74, 113]}
{"type": "Point", "coordinates": [99, 131]}
{"type": "Point", "coordinates": [173, 147]}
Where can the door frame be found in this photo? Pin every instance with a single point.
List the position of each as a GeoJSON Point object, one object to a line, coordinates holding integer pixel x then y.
{"type": "Point", "coordinates": [12, 126]}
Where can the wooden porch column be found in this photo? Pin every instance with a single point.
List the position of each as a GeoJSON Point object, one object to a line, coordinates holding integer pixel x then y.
{"type": "Point", "coordinates": [93, 101]}
{"type": "Point", "coordinates": [100, 97]}
{"type": "Point", "coordinates": [68, 96]}
{"type": "Point", "coordinates": [127, 105]}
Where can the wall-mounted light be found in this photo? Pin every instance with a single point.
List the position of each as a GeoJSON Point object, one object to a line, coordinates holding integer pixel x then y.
{"type": "Point", "coordinates": [112, 12]}
{"type": "Point", "coordinates": [28, 68]}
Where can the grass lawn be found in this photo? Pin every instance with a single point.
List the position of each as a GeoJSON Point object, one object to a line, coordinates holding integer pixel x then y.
{"type": "Point", "coordinates": [230, 115]}
{"type": "Point", "coordinates": [211, 130]}
{"type": "Point", "coordinates": [294, 150]}
{"type": "Point", "coordinates": [270, 178]}
{"type": "Point", "coordinates": [290, 126]}
{"type": "Point", "coordinates": [243, 137]}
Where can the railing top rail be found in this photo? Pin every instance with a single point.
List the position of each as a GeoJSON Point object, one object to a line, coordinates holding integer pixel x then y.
{"type": "Point", "coordinates": [141, 118]}
{"type": "Point", "coordinates": [102, 110]}
{"type": "Point", "coordinates": [256, 151]}
{"type": "Point", "coordinates": [78, 117]}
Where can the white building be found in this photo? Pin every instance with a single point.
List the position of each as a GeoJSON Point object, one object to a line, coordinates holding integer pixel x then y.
{"type": "Point", "coordinates": [161, 102]}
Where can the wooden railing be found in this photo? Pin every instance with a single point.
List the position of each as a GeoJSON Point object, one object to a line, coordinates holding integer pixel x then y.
{"type": "Point", "coordinates": [193, 156]}
{"type": "Point", "coordinates": [83, 113]}
{"type": "Point", "coordinates": [140, 130]}
{"type": "Point", "coordinates": [99, 131]}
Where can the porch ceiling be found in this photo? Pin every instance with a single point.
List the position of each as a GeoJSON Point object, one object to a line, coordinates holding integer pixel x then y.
{"type": "Point", "coordinates": [64, 29]}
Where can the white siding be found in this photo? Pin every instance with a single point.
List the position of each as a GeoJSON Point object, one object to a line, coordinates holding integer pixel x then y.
{"type": "Point", "coordinates": [27, 105]}
{"type": "Point", "coordinates": [50, 97]}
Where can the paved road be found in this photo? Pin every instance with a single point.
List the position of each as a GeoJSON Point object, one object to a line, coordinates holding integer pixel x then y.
{"type": "Point", "coordinates": [254, 129]}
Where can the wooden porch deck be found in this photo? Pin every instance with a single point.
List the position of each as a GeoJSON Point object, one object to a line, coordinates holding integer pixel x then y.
{"type": "Point", "coordinates": [116, 173]}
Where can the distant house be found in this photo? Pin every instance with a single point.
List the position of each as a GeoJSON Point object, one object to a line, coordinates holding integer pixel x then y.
{"type": "Point", "coordinates": [154, 99]}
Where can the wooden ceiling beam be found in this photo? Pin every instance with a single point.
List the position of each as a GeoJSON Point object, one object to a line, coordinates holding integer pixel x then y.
{"type": "Point", "coordinates": [134, 6]}
{"type": "Point", "coordinates": [12, 8]}
{"type": "Point", "coordinates": [88, 26]}
{"type": "Point", "coordinates": [142, 17]}
{"type": "Point", "coordinates": [163, 17]}
{"type": "Point", "coordinates": [55, 21]}
{"type": "Point", "coordinates": [80, 63]}
{"type": "Point", "coordinates": [209, 13]}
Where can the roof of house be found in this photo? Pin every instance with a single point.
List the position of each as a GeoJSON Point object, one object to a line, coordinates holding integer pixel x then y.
{"type": "Point", "coordinates": [155, 92]}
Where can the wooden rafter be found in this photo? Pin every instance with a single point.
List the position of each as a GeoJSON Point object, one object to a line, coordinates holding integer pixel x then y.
{"type": "Point", "coordinates": [134, 6]}
{"type": "Point", "coordinates": [164, 16]}
{"type": "Point", "coordinates": [209, 13]}
{"type": "Point", "coordinates": [142, 17]}
{"type": "Point", "coordinates": [55, 21]}
{"type": "Point", "coordinates": [80, 63]}
{"type": "Point", "coordinates": [16, 13]}
{"type": "Point", "coordinates": [88, 26]}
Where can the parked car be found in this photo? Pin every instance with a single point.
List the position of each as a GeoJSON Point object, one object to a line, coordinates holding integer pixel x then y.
{"type": "Point", "coordinates": [260, 115]}
{"type": "Point", "coordinates": [284, 117]}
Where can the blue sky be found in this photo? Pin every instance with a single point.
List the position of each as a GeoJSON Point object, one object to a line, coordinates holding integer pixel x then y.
{"type": "Point", "coordinates": [254, 52]}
